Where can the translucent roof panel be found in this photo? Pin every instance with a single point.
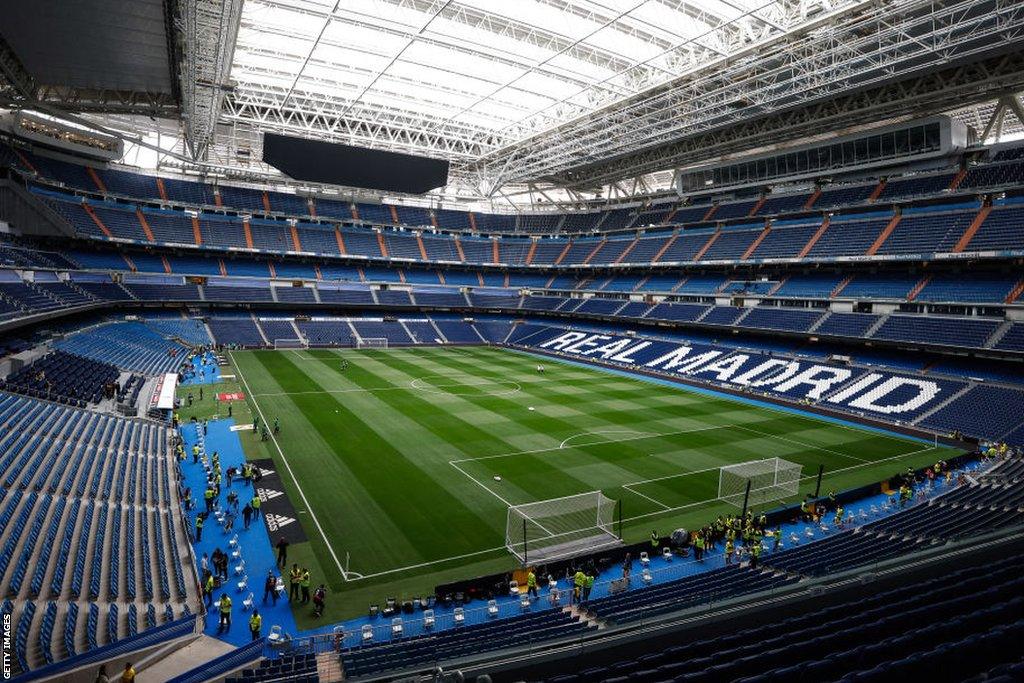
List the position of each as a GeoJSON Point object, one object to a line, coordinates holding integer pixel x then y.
{"type": "Point", "coordinates": [482, 73]}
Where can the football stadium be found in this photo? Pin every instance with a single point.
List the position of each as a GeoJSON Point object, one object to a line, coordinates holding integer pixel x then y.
{"type": "Point", "coordinates": [512, 340]}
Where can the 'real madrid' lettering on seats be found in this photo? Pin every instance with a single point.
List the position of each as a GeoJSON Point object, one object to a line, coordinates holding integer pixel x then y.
{"type": "Point", "coordinates": [786, 369]}
{"type": "Point", "coordinates": [873, 392]}
{"type": "Point", "coordinates": [927, 391]}
{"type": "Point", "coordinates": [560, 342]}
{"type": "Point", "coordinates": [820, 379]}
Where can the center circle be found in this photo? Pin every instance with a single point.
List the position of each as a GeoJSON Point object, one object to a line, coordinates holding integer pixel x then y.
{"type": "Point", "coordinates": [479, 386]}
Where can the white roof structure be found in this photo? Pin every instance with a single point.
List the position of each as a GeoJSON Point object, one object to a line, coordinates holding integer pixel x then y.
{"type": "Point", "coordinates": [522, 91]}
{"type": "Point", "coordinates": [576, 94]}
{"type": "Point", "coordinates": [473, 75]}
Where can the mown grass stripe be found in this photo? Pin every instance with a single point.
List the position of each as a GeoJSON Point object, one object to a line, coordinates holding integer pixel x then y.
{"type": "Point", "coordinates": [441, 520]}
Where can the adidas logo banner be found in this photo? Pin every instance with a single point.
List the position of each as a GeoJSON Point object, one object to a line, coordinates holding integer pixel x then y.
{"type": "Point", "coordinates": [279, 515]}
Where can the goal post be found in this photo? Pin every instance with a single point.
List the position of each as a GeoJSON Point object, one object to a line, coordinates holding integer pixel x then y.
{"type": "Point", "coordinates": [770, 479]}
{"type": "Point", "coordinates": [560, 527]}
{"type": "Point", "coordinates": [371, 342]}
{"type": "Point", "coordinates": [290, 344]}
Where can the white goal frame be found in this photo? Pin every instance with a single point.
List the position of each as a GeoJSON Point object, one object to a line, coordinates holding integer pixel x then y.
{"type": "Point", "coordinates": [371, 342]}
{"type": "Point", "coordinates": [292, 343]}
{"type": "Point", "coordinates": [770, 480]}
{"type": "Point", "coordinates": [560, 527]}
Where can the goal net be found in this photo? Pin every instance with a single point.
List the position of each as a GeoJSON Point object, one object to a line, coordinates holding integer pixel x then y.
{"type": "Point", "coordinates": [560, 527]}
{"type": "Point", "coordinates": [770, 479]}
{"type": "Point", "coordinates": [291, 344]}
{"type": "Point", "coordinates": [372, 343]}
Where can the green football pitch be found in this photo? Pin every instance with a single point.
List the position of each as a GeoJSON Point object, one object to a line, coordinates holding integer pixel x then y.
{"type": "Point", "coordinates": [392, 461]}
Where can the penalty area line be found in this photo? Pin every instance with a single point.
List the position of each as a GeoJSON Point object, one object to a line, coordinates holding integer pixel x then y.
{"type": "Point", "coordinates": [503, 500]}
{"type": "Point", "coordinates": [479, 483]}
{"type": "Point", "coordinates": [656, 502]}
{"type": "Point", "coordinates": [640, 436]}
{"type": "Point", "coordinates": [806, 477]}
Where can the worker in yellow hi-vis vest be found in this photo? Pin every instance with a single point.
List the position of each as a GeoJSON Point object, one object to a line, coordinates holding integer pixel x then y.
{"type": "Point", "coordinates": [255, 623]}
{"type": "Point", "coordinates": [304, 584]}
{"type": "Point", "coordinates": [224, 607]}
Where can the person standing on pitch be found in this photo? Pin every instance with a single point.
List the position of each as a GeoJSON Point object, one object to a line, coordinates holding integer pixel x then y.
{"type": "Point", "coordinates": [294, 578]}
{"type": "Point", "coordinates": [304, 583]}
{"type": "Point", "coordinates": [282, 552]}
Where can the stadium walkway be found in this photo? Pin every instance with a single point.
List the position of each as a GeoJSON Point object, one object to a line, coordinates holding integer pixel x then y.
{"type": "Point", "coordinates": [254, 543]}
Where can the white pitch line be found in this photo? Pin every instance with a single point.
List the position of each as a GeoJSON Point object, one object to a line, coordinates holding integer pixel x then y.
{"type": "Point", "coordinates": [804, 478]}
{"type": "Point", "coordinates": [302, 494]}
{"type": "Point", "coordinates": [687, 473]}
{"type": "Point", "coordinates": [605, 431]}
{"type": "Point", "coordinates": [421, 384]}
{"type": "Point", "coordinates": [799, 443]}
{"type": "Point", "coordinates": [486, 488]}
{"type": "Point", "coordinates": [476, 481]}
{"type": "Point", "coordinates": [656, 502]}
{"type": "Point", "coordinates": [431, 562]}
{"type": "Point", "coordinates": [651, 435]}
{"type": "Point", "coordinates": [370, 390]}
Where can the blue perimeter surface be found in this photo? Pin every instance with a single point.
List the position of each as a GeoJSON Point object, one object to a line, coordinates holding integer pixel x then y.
{"type": "Point", "coordinates": [254, 543]}
{"type": "Point", "coordinates": [208, 373]}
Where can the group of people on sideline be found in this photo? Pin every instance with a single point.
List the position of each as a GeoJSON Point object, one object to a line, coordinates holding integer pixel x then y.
{"type": "Point", "coordinates": [221, 501]}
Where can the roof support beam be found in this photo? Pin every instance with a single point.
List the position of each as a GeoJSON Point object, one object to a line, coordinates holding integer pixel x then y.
{"type": "Point", "coordinates": [210, 28]}
{"type": "Point", "coordinates": [18, 79]}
